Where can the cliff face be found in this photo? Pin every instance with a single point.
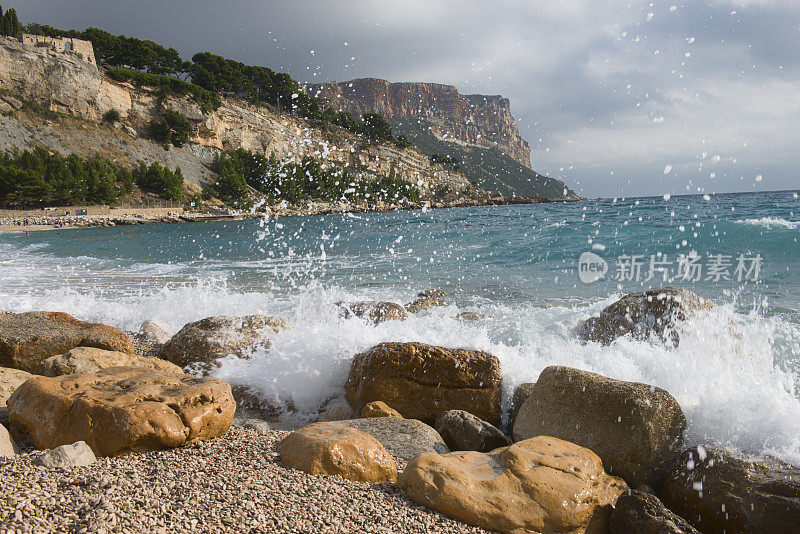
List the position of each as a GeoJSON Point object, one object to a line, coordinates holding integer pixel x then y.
{"type": "Point", "coordinates": [478, 120]}
{"type": "Point", "coordinates": [81, 94]}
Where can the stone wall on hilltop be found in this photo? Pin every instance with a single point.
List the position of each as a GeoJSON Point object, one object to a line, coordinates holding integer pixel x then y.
{"type": "Point", "coordinates": [478, 120]}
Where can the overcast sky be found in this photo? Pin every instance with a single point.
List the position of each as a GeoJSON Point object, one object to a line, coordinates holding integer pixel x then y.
{"type": "Point", "coordinates": [615, 97]}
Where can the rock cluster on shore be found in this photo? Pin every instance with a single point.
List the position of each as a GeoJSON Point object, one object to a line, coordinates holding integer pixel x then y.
{"type": "Point", "coordinates": [588, 453]}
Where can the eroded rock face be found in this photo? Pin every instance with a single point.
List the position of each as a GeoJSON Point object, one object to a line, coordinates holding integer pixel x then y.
{"type": "Point", "coordinates": [636, 429]}
{"type": "Point", "coordinates": [374, 311]}
{"type": "Point", "coordinates": [336, 449]}
{"type": "Point", "coordinates": [430, 298]}
{"type": "Point", "coordinates": [721, 491]}
{"type": "Point", "coordinates": [28, 338]}
{"type": "Point", "coordinates": [379, 409]}
{"type": "Point", "coordinates": [10, 380]}
{"type": "Point", "coordinates": [121, 410]}
{"type": "Point", "coordinates": [89, 360]}
{"type": "Point", "coordinates": [404, 438]}
{"type": "Point", "coordinates": [424, 381]}
{"type": "Point", "coordinates": [199, 346]}
{"type": "Point", "coordinates": [637, 512]}
{"type": "Point", "coordinates": [538, 485]}
{"type": "Point", "coordinates": [462, 431]}
{"type": "Point", "coordinates": [646, 313]}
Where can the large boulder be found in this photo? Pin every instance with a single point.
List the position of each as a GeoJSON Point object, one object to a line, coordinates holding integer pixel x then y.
{"type": "Point", "coordinates": [404, 438]}
{"type": "Point", "coordinates": [374, 311]}
{"type": "Point", "coordinates": [721, 491]}
{"type": "Point", "coordinates": [28, 338]}
{"type": "Point", "coordinates": [336, 449]}
{"type": "Point", "coordinates": [636, 429]}
{"type": "Point", "coordinates": [121, 410]}
{"type": "Point", "coordinates": [199, 346]}
{"type": "Point", "coordinates": [642, 314]}
{"type": "Point", "coordinates": [423, 381]}
{"type": "Point", "coordinates": [7, 446]}
{"type": "Point", "coordinates": [637, 512]}
{"type": "Point", "coordinates": [430, 298]}
{"type": "Point", "coordinates": [89, 360]}
{"type": "Point", "coordinates": [462, 431]}
{"type": "Point", "coordinates": [10, 380]}
{"type": "Point", "coordinates": [538, 485]}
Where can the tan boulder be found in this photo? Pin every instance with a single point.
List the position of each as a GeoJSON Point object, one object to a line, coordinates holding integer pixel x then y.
{"type": "Point", "coordinates": [28, 338]}
{"type": "Point", "coordinates": [336, 449]}
{"type": "Point", "coordinates": [423, 381]}
{"type": "Point", "coordinates": [379, 409]}
{"type": "Point", "coordinates": [636, 429]}
{"type": "Point", "coordinates": [655, 312]}
{"type": "Point", "coordinates": [10, 380]}
{"type": "Point", "coordinates": [121, 410]}
{"type": "Point", "coordinates": [199, 346]}
{"type": "Point", "coordinates": [374, 311]}
{"type": "Point", "coordinates": [539, 485]}
{"type": "Point", "coordinates": [89, 360]}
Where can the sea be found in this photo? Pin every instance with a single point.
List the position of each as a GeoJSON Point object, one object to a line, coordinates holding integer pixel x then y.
{"type": "Point", "coordinates": [537, 271]}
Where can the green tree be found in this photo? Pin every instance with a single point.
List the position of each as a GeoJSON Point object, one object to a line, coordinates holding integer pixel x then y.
{"type": "Point", "coordinates": [376, 127]}
{"type": "Point", "coordinates": [174, 128]}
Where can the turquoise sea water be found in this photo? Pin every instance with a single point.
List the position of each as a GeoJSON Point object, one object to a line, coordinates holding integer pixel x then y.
{"type": "Point", "coordinates": [736, 372]}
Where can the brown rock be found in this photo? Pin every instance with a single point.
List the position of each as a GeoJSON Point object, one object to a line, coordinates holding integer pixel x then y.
{"type": "Point", "coordinates": [10, 380]}
{"type": "Point", "coordinates": [538, 485]}
{"type": "Point", "coordinates": [336, 449]}
{"type": "Point", "coordinates": [89, 360]}
{"type": "Point", "coordinates": [423, 381]}
{"type": "Point", "coordinates": [379, 409]}
{"type": "Point", "coordinates": [28, 338]}
{"type": "Point", "coordinates": [471, 317]}
{"type": "Point", "coordinates": [121, 410]}
{"type": "Point", "coordinates": [376, 312]}
{"type": "Point", "coordinates": [427, 299]}
{"type": "Point", "coordinates": [637, 512]}
{"type": "Point", "coordinates": [721, 491]}
{"type": "Point", "coordinates": [634, 428]}
{"type": "Point", "coordinates": [7, 446]}
{"type": "Point", "coordinates": [653, 312]}
{"type": "Point", "coordinates": [198, 346]}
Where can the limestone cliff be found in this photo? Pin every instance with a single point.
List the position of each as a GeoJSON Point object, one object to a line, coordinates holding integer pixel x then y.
{"type": "Point", "coordinates": [80, 94]}
{"type": "Point", "coordinates": [478, 120]}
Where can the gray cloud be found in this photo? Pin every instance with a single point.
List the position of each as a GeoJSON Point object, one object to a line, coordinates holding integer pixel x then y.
{"type": "Point", "coordinates": [604, 90]}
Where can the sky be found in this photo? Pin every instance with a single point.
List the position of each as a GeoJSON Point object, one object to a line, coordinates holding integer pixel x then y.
{"type": "Point", "coordinates": [615, 98]}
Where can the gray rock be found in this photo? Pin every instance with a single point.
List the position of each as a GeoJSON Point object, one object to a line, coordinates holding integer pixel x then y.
{"type": "Point", "coordinates": [636, 429]}
{"type": "Point", "coordinates": [151, 332]}
{"type": "Point", "coordinates": [641, 513]}
{"type": "Point", "coordinates": [404, 438]}
{"type": "Point", "coordinates": [7, 446]}
{"type": "Point", "coordinates": [374, 311]}
{"type": "Point", "coordinates": [338, 412]}
{"type": "Point", "coordinates": [521, 394]}
{"type": "Point", "coordinates": [462, 431]}
{"type": "Point", "coordinates": [75, 455]}
{"type": "Point", "coordinates": [4, 419]}
{"type": "Point", "coordinates": [251, 423]}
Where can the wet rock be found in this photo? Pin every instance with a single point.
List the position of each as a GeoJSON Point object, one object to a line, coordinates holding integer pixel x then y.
{"type": "Point", "coordinates": [379, 409]}
{"type": "Point", "coordinates": [121, 410]}
{"type": "Point", "coordinates": [520, 395]}
{"type": "Point", "coordinates": [462, 431]}
{"type": "Point", "coordinates": [426, 300]}
{"type": "Point", "coordinates": [718, 491]}
{"type": "Point", "coordinates": [28, 338]}
{"type": "Point", "coordinates": [89, 360]}
{"type": "Point", "coordinates": [199, 346]}
{"type": "Point", "coordinates": [404, 438]}
{"type": "Point", "coordinates": [637, 512]}
{"type": "Point", "coordinates": [374, 311]}
{"type": "Point", "coordinates": [471, 317]}
{"type": "Point", "coordinates": [7, 446]}
{"type": "Point", "coordinates": [634, 428]}
{"type": "Point", "coordinates": [74, 455]}
{"type": "Point", "coordinates": [538, 485]}
{"type": "Point", "coordinates": [423, 381]}
{"type": "Point", "coordinates": [336, 449]}
{"type": "Point", "coordinates": [644, 314]}
{"type": "Point", "coordinates": [338, 411]}
{"type": "Point", "coordinates": [152, 333]}
{"type": "Point", "coordinates": [10, 380]}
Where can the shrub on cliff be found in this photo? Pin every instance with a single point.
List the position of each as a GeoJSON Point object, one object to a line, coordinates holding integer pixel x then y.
{"type": "Point", "coordinates": [174, 128]}
{"type": "Point", "coordinates": [112, 115]}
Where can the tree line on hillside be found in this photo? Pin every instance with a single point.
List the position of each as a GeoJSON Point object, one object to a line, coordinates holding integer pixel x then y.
{"type": "Point", "coordinates": [35, 178]}
{"type": "Point", "coordinates": [149, 63]}
{"type": "Point", "coordinates": [297, 182]}
{"type": "Point", "coordinates": [9, 24]}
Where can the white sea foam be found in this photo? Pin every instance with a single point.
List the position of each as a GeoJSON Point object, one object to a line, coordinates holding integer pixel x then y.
{"type": "Point", "coordinates": [770, 222]}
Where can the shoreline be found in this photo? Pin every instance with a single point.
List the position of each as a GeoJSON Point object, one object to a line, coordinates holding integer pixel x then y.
{"type": "Point", "coordinates": [134, 216]}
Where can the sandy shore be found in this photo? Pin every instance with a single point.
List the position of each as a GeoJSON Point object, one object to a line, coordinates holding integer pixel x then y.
{"type": "Point", "coordinates": [234, 483]}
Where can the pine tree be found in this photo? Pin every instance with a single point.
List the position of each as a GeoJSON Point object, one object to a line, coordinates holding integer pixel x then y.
{"type": "Point", "coordinates": [3, 25]}
{"type": "Point", "coordinates": [14, 26]}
